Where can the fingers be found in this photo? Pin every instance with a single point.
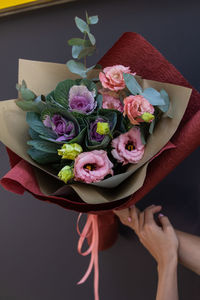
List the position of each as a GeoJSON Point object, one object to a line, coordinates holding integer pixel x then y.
{"type": "Point", "coordinates": [141, 220]}
{"type": "Point", "coordinates": [135, 212]}
{"type": "Point", "coordinates": [123, 214]}
{"type": "Point", "coordinates": [164, 222]}
{"type": "Point", "coordinates": [129, 216]}
{"type": "Point", "coordinates": [149, 213]}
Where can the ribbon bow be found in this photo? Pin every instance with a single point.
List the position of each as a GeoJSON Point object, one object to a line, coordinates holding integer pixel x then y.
{"type": "Point", "coordinates": [90, 229]}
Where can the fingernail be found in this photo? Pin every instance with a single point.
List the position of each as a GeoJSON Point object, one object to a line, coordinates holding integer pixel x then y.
{"type": "Point", "coordinates": [133, 205]}
{"type": "Point", "coordinates": [129, 219]}
{"type": "Point", "coordinates": [161, 215]}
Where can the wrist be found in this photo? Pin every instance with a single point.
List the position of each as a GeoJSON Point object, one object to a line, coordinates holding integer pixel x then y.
{"type": "Point", "coordinates": [168, 264]}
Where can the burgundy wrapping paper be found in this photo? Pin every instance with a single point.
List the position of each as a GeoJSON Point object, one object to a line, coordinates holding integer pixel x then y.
{"type": "Point", "coordinates": [134, 51]}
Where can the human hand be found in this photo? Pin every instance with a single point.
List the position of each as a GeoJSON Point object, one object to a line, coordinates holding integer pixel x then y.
{"type": "Point", "coordinates": [160, 241]}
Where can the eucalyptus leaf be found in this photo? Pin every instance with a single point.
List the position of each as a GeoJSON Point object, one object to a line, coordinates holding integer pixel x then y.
{"type": "Point", "coordinates": [25, 93]}
{"type": "Point", "coordinates": [44, 146]}
{"type": "Point", "coordinates": [86, 51]}
{"type": "Point", "coordinates": [164, 108]}
{"type": "Point", "coordinates": [77, 68]}
{"type": "Point", "coordinates": [92, 38]}
{"type": "Point", "coordinates": [76, 50]}
{"type": "Point", "coordinates": [41, 157]}
{"type": "Point", "coordinates": [30, 105]}
{"type": "Point", "coordinates": [132, 84]}
{"type": "Point", "coordinates": [79, 42]}
{"type": "Point", "coordinates": [153, 96]}
{"type": "Point", "coordinates": [94, 20]}
{"type": "Point", "coordinates": [82, 25]}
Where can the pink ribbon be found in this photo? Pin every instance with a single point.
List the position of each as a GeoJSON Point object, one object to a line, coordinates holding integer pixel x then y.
{"type": "Point", "coordinates": [90, 229]}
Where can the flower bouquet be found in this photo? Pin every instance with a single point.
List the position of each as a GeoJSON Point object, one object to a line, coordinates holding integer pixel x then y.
{"type": "Point", "coordinates": [84, 137]}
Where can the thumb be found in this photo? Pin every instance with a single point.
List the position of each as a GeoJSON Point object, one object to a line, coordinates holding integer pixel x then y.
{"type": "Point", "coordinates": [164, 221]}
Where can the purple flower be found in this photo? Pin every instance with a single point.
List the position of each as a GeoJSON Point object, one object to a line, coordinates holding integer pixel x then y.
{"type": "Point", "coordinates": [81, 99]}
{"type": "Point", "coordinates": [94, 136]}
{"type": "Point", "coordinates": [64, 129]}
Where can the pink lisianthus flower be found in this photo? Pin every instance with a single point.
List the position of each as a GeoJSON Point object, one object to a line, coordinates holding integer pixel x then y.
{"type": "Point", "coordinates": [111, 100]}
{"type": "Point", "coordinates": [136, 106]}
{"type": "Point", "coordinates": [112, 77]}
{"type": "Point", "coordinates": [92, 166]}
{"type": "Point", "coordinates": [128, 147]}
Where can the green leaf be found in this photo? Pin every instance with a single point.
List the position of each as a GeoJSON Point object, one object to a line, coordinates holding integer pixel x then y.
{"type": "Point", "coordinates": [94, 20]}
{"type": "Point", "coordinates": [52, 104]}
{"type": "Point", "coordinates": [98, 66]}
{"type": "Point", "coordinates": [97, 146]}
{"type": "Point", "coordinates": [25, 93]}
{"type": "Point", "coordinates": [33, 119]}
{"type": "Point", "coordinates": [132, 84]}
{"type": "Point", "coordinates": [99, 101]}
{"type": "Point", "coordinates": [92, 38]}
{"type": "Point", "coordinates": [82, 25]}
{"type": "Point", "coordinates": [151, 127]}
{"type": "Point", "coordinates": [111, 116]}
{"type": "Point", "coordinates": [61, 92]}
{"type": "Point", "coordinates": [89, 84]}
{"type": "Point", "coordinates": [79, 42]}
{"type": "Point", "coordinates": [77, 68]}
{"type": "Point", "coordinates": [86, 51]}
{"type": "Point", "coordinates": [50, 96]}
{"type": "Point", "coordinates": [33, 134]}
{"type": "Point", "coordinates": [164, 108]}
{"type": "Point", "coordinates": [30, 105]}
{"type": "Point", "coordinates": [142, 134]}
{"type": "Point", "coordinates": [153, 96]}
{"type": "Point", "coordinates": [78, 139]}
{"type": "Point", "coordinates": [42, 157]}
{"type": "Point", "coordinates": [76, 50]}
{"type": "Point", "coordinates": [44, 146]}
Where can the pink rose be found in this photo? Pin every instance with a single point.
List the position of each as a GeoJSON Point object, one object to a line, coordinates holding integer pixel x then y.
{"type": "Point", "coordinates": [112, 77]}
{"type": "Point", "coordinates": [92, 166]}
{"type": "Point", "coordinates": [135, 106]}
{"type": "Point", "coordinates": [128, 147]}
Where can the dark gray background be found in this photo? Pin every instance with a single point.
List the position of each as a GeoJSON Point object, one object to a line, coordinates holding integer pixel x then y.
{"type": "Point", "coordinates": [38, 257]}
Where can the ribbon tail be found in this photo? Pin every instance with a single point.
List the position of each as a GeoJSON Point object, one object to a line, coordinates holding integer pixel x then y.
{"type": "Point", "coordinates": [89, 270]}
{"type": "Point", "coordinates": [91, 227]}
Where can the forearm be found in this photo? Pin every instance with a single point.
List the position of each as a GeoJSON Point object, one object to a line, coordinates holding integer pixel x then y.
{"type": "Point", "coordinates": [189, 251]}
{"type": "Point", "coordinates": [167, 282]}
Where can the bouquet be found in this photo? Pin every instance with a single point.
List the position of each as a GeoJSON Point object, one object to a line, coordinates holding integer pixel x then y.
{"type": "Point", "coordinates": [91, 133]}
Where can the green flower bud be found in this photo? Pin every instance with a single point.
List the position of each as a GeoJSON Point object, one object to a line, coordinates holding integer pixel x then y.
{"type": "Point", "coordinates": [103, 128]}
{"type": "Point", "coordinates": [147, 117]}
{"type": "Point", "coordinates": [70, 151]}
{"type": "Point", "coordinates": [66, 174]}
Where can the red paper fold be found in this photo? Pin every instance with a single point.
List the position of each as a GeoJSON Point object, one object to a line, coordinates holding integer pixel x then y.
{"type": "Point", "coordinates": [134, 51]}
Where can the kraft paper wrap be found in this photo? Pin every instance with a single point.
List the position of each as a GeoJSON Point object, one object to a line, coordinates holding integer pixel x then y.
{"type": "Point", "coordinates": [42, 77]}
